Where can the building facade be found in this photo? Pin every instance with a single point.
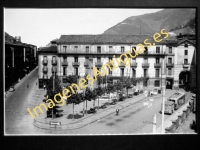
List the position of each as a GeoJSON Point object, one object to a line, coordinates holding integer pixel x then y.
{"type": "Point", "coordinates": [20, 59]}
{"type": "Point", "coordinates": [78, 54]}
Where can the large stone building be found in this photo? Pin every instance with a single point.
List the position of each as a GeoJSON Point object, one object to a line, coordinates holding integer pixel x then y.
{"type": "Point", "coordinates": [20, 59]}
{"type": "Point", "coordinates": [78, 54]}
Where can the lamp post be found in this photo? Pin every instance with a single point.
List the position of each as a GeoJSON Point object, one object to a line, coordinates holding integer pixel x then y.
{"type": "Point", "coordinates": [53, 88]}
{"type": "Point", "coordinates": [163, 96]}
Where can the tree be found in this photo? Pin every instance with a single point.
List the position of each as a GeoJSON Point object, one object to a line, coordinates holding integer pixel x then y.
{"type": "Point", "coordinates": [99, 92]}
{"type": "Point", "coordinates": [88, 96]}
{"type": "Point", "coordinates": [127, 84]}
{"type": "Point", "coordinates": [75, 99]}
{"type": "Point", "coordinates": [52, 90]}
{"type": "Point", "coordinates": [110, 88]}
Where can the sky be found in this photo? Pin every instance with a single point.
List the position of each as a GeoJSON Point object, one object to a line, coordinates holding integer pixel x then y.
{"type": "Point", "coordinates": [40, 26]}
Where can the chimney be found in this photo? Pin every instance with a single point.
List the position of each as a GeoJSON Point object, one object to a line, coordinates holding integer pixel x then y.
{"type": "Point", "coordinates": [18, 38]}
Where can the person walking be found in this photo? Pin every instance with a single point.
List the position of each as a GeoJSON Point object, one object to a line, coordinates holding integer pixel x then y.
{"type": "Point", "coordinates": [36, 83]}
{"type": "Point", "coordinates": [117, 111]}
{"type": "Point", "coordinates": [27, 85]}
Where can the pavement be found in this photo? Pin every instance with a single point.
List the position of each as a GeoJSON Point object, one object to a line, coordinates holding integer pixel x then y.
{"type": "Point", "coordinates": [80, 120]}
{"type": "Point", "coordinates": [185, 128]}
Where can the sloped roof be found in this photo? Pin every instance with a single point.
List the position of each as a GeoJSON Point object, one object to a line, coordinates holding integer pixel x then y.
{"type": "Point", "coordinates": [104, 39]}
{"type": "Point", "coordinates": [193, 42]}
{"type": "Point", "coordinates": [50, 49]}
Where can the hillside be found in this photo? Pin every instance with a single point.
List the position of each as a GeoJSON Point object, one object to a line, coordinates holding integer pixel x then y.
{"type": "Point", "coordinates": [169, 19]}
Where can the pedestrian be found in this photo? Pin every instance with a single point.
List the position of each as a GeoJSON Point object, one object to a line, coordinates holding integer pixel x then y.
{"type": "Point", "coordinates": [36, 83]}
{"type": "Point", "coordinates": [27, 85]}
{"type": "Point", "coordinates": [117, 111]}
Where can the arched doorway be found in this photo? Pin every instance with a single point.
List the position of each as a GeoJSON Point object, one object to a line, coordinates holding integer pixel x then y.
{"type": "Point", "coordinates": [184, 80]}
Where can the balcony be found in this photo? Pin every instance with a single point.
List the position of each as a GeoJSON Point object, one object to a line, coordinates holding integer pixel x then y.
{"type": "Point", "coordinates": [45, 69]}
{"type": "Point", "coordinates": [186, 65]}
{"type": "Point", "coordinates": [122, 65]}
{"type": "Point", "coordinates": [133, 64]}
{"type": "Point", "coordinates": [157, 65]}
{"type": "Point", "coordinates": [98, 64]}
{"type": "Point", "coordinates": [75, 63]}
{"type": "Point", "coordinates": [54, 62]}
{"type": "Point", "coordinates": [87, 65]}
{"type": "Point", "coordinates": [53, 70]}
{"type": "Point", "coordinates": [152, 53]}
{"type": "Point", "coordinates": [169, 64]}
{"type": "Point", "coordinates": [145, 65]}
{"type": "Point", "coordinates": [64, 63]}
{"type": "Point", "coordinates": [45, 62]}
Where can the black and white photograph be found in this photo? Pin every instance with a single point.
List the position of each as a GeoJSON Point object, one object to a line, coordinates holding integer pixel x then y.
{"type": "Point", "coordinates": [99, 71]}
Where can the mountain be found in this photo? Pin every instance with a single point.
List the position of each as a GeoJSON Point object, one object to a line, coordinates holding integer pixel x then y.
{"type": "Point", "coordinates": [169, 19]}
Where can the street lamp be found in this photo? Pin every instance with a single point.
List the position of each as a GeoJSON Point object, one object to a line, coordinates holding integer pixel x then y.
{"type": "Point", "coordinates": [163, 95]}
{"type": "Point", "coordinates": [53, 86]}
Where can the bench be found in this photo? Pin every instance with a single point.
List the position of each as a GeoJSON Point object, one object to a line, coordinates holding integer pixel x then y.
{"type": "Point", "coordinates": [56, 123]}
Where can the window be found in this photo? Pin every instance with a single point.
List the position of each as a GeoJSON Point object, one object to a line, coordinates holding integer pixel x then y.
{"type": "Point", "coordinates": [145, 72]}
{"type": "Point", "coordinates": [109, 72]}
{"type": "Point", "coordinates": [75, 59]}
{"type": "Point", "coordinates": [98, 59]}
{"type": "Point", "coordinates": [169, 71]}
{"type": "Point", "coordinates": [157, 60]}
{"type": "Point", "coordinates": [122, 49]}
{"type": "Point", "coordinates": [64, 71]}
{"type": "Point", "coordinates": [87, 49]}
{"type": "Point", "coordinates": [186, 52]}
{"type": "Point", "coordinates": [145, 60]}
{"type": "Point", "coordinates": [54, 58]}
{"type": "Point", "coordinates": [134, 60]}
{"type": "Point", "coordinates": [45, 58]}
{"type": "Point", "coordinates": [170, 50]}
{"type": "Point", "coordinates": [169, 60]}
{"type": "Point", "coordinates": [75, 48]}
{"type": "Point", "coordinates": [133, 53]}
{"type": "Point", "coordinates": [64, 59]}
{"type": "Point", "coordinates": [122, 58]}
{"type": "Point", "coordinates": [110, 49]}
{"type": "Point", "coordinates": [157, 72]}
{"type": "Point", "coordinates": [76, 71]}
{"type": "Point", "coordinates": [122, 72]}
{"type": "Point", "coordinates": [65, 49]}
{"type": "Point", "coordinates": [134, 73]}
{"type": "Point", "coordinates": [157, 83]}
{"type": "Point", "coordinates": [146, 50]}
{"type": "Point", "coordinates": [158, 50]}
{"type": "Point", "coordinates": [185, 61]}
{"type": "Point", "coordinates": [99, 49]}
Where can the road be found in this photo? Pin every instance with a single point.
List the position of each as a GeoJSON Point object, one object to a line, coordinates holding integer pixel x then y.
{"type": "Point", "coordinates": [134, 119]}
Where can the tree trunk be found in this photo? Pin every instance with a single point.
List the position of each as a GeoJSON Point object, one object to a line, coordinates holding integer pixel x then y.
{"type": "Point", "coordinates": [86, 107]}
{"type": "Point", "coordinates": [93, 103]}
{"type": "Point", "coordinates": [98, 102]}
{"type": "Point", "coordinates": [73, 111]}
{"type": "Point", "coordinates": [83, 107]}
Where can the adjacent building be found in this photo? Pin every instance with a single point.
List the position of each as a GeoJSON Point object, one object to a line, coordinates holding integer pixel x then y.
{"type": "Point", "coordinates": [20, 59]}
